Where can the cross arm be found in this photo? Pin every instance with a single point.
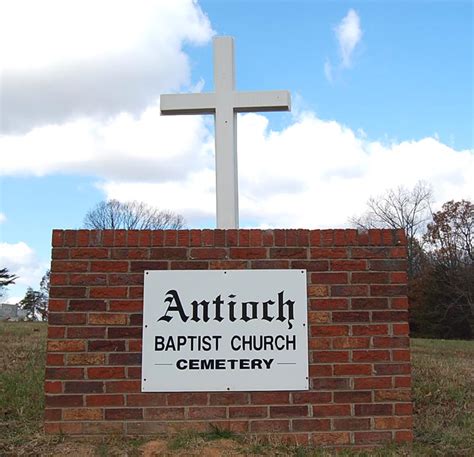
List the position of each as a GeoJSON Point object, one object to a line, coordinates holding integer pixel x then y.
{"type": "Point", "coordinates": [275, 100]}
{"type": "Point", "coordinates": [203, 103]}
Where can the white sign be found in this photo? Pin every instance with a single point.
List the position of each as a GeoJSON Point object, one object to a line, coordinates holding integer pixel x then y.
{"type": "Point", "coordinates": [225, 330]}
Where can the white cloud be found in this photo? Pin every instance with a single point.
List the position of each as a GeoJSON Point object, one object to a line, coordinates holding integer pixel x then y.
{"type": "Point", "coordinates": [348, 33]}
{"type": "Point", "coordinates": [3, 218]}
{"type": "Point", "coordinates": [21, 260]}
{"type": "Point", "coordinates": [63, 60]}
{"type": "Point", "coordinates": [328, 70]}
{"type": "Point", "coordinates": [313, 173]}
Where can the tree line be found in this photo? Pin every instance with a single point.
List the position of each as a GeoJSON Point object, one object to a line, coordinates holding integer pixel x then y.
{"type": "Point", "coordinates": [440, 254]}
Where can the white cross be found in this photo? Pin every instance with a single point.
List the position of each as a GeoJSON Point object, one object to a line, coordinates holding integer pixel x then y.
{"type": "Point", "coordinates": [225, 103]}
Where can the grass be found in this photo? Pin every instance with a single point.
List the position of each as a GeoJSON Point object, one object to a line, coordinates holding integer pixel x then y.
{"type": "Point", "coordinates": [443, 391]}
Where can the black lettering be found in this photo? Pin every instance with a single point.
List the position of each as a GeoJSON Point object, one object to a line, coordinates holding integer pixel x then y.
{"type": "Point", "coordinates": [268, 362]}
{"type": "Point", "coordinates": [245, 308]}
{"type": "Point", "coordinates": [159, 343]}
{"type": "Point", "coordinates": [281, 314]}
{"type": "Point", "coordinates": [181, 364]}
{"type": "Point", "coordinates": [237, 346]}
{"type": "Point", "coordinates": [244, 364]}
{"type": "Point", "coordinates": [207, 364]}
{"type": "Point", "coordinates": [172, 296]}
{"type": "Point", "coordinates": [265, 316]}
{"type": "Point", "coordinates": [231, 305]}
{"type": "Point", "coordinates": [256, 363]}
{"type": "Point", "coordinates": [205, 310]}
{"type": "Point", "coordinates": [193, 364]}
{"type": "Point", "coordinates": [220, 364]}
{"type": "Point", "coordinates": [217, 308]}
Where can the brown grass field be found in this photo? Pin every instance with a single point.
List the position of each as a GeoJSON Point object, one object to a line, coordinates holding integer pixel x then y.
{"type": "Point", "coordinates": [443, 395]}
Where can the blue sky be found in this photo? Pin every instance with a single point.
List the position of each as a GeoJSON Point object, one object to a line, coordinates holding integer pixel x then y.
{"type": "Point", "coordinates": [381, 91]}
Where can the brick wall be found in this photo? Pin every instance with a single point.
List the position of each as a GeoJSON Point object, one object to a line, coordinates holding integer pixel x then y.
{"type": "Point", "coordinates": [358, 335]}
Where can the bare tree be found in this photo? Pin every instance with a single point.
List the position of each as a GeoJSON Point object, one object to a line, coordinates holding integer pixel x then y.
{"type": "Point", "coordinates": [401, 208]}
{"type": "Point", "coordinates": [113, 214]}
{"type": "Point", "coordinates": [6, 279]}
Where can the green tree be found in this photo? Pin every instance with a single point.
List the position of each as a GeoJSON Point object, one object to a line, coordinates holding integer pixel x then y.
{"type": "Point", "coordinates": [35, 302]}
{"type": "Point", "coordinates": [6, 279]}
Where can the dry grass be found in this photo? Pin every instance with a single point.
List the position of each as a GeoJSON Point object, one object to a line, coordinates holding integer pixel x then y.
{"type": "Point", "coordinates": [443, 393]}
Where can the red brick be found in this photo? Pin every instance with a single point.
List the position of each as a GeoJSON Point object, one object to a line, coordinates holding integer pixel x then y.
{"type": "Point", "coordinates": [403, 409]}
{"type": "Point", "coordinates": [134, 372]}
{"type": "Point", "coordinates": [387, 265]}
{"type": "Point", "coordinates": [348, 265]}
{"type": "Point", "coordinates": [349, 291]}
{"type": "Point", "coordinates": [248, 253]}
{"type": "Point", "coordinates": [66, 346]}
{"type": "Point", "coordinates": [108, 266]}
{"type": "Point", "coordinates": [59, 279]}
{"type": "Point", "coordinates": [123, 413]}
{"type": "Point", "coordinates": [311, 397]}
{"type": "Point", "coordinates": [70, 237]}
{"type": "Point", "coordinates": [171, 237]}
{"type": "Point", "coordinates": [392, 395]}
{"type": "Point", "coordinates": [403, 381]}
{"type": "Point", "coordinates": [163, 413]}
{"type": "Point", "coordinates": [320, 370]}
{"type": "Point", "coordinates": [108, 319]}
{"type": "Point", "coordinates": [288, 411]}
{"type": "Point", "coordinates": [372, 383]}
{"type": "Point", "coordinates": [270, 264]}
{"type": "Point", "coordinates": [126, 305]}
{"type": "Point", "coordinates": [373, 409]}
{"type": "Point", "coordinates": [228, 398]}
{"type": "Point", "coordinates": [369, 303]}
{"type": "Point", "coordinates": [189, 265]}
{"type": "Point", "coordinates": [310, 265]}
{"type": "Point", "coordinates": [248, 412]}
{"type": "Point", "coordinates": [400, 303]}
{"type": "Point", "coordinates": [53, 387]}
{"type": "Point", "coordinates": [148, 399]}
{"type": "Point", "coordinates": [63, 401]}
{"type": "Point", "coordinates": [370, 253]}
{"type": "Point", "coordinates": [392, 368]}
{"type": "Point", "coordinates": [388, 290]}
{"type": "Point", "coordinates": [54, 359]}
{"type": "Point", "coordinates": [318, 291]}
{"type": "Point", "coordinates": [83, 387]}
{"type": "Point", "coordinates": [350, 342]}
{"type": "Point", "coordinates": [331, 410]}
{"type": "Point", "coordinates": [288, 253]}
{"type": "Point", "coordinates": [269, 426]}
{"type": "Point", "coordinates": [66, 318]}
{"type": "Point", "coordinates": [125, 279]}
{"type": "Point", "coordinates": [57, 238]}
{"type": "Point", "coordinates": [106, 345]}
{"type": "Point", "coordinates": [124, 332]}
{"type": "Point", "coordinates": [319, 317]}
{"type": "Point", "coordinates": [105, 372]}
{"type": "Point", "coordinates": [72, 414]}
{"type": "Point", "coordinates": [330, 438]}
{"type": "Point", "coordinates": [269, 398]}
{"type": "Point", "coordinates": [87, 305]}
{"type": "Point", "coordinates": [86, 332]}
{"type": "Point", "coordinates": [117, 387]}
{"type": "Point", "coordinates": [183, 238]}
{"type": "Point", "coordinates": [311, 425]}
{"type": "Point", "coordinates": [208, 253]}
{"type": "Point", "coordinates": [351, 424]}
{"type": "Point", "coordinates": [57, 305]}
{"type": "Point", "coordinates": [379, 277]}
{"type": "Point", "coordinates": [384, 423]}
{"type": "Point", "coordinates": [350, 316]}
{"type": "Point", "coordinates": [280, 237]}
{"type": "Point", "coordinates": [370, 330]}
{"type": "Point", "coordinates": [227, 264]}
{"type": "Point", "coordinates": [139, 266]}
{"type": "Point", "coordinates": [353, 369]}
{"type": "Point", "coordinates": [329, 303]}
{"type": "Point", "coordinates": [244, 237]}
{"type": "Point", "coordinates": [391, 342]}
{"type": "Point", "coordinates": [370, 356]}
{"type": "Point", "coordinates": [56, 332]}
{"type": "Point", "coordinates": [353, 396]}
{"type": "Point", "coordinates": [267, 238]}
{"type": "Point", "coordinates": [187, 399]}
{"type": "Point", "coordinates": [330, 383]}
{"type": "Point", "coordinates": [89, 253]}
{"type": "Point", "coordinates": [58, 266]}
{"type": "Point", "coordinates": [255, 238]}
{"type": "Point", "coordinates": [329, 330]}
{"type": "Point", "coordinates": [330, 356]}
{"type": "Point", "coordinates": [91, 279]}
{"type": "Point", "coordinates": [168, 253]}
{"type": "Point", "coordinates": [320, 343]}
{"type": "Point", "coordinates": [135, 346]}
{"type": "Point", "coordinates": [67, 292]}
{"type": "Point", "coordinates": [372, 437]}
{"type": "Point", "coordinates": [133, 237]}
{"type": "Point", "coordinates": [207, 412]}
{"type": "Point", "coordinates": [404, 436]}
{"type": "Point", "coordinates": [328, 253]}
{"type": "Point", "coordinates": [108, 292]}
{"type": "Point", "coordinates": [86, 359]}
{"type": "Point", "coordinates": [401, 329]}
{"type": "Point", "coordinates": [52, 414]}
{"type": "Point", "coordinates": [125, 359]}
{"type": "Point", "coordinates": [329, 278]}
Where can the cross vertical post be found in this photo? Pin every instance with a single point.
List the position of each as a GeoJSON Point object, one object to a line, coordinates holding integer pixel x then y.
{"type": "Point", "coordinates": [225, 103]}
